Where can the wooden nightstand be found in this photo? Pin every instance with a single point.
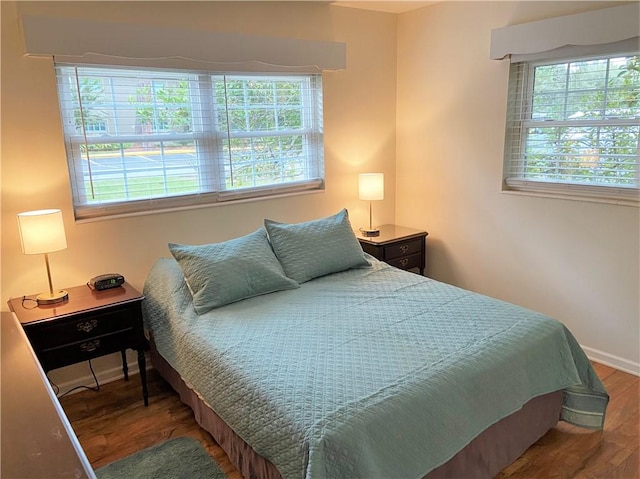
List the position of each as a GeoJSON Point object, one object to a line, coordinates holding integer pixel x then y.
{"type": "Point", "coordinates": [87, 325]}
{"type": "Point", "coordinates": [402, 247]}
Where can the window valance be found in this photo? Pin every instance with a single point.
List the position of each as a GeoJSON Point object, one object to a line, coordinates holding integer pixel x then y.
{"type": "Point", "coordinates": [604, 31]}
{"type": "Point", "coordinates": [77, 40]}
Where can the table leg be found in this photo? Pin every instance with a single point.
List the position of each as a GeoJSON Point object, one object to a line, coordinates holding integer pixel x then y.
{"type": "Point", "coordinates": [142, 365]}
{"type": "Point", "coordinates": [125, 367]}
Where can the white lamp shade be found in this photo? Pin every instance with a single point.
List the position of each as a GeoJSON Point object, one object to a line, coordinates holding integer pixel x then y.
{"type": "Point", "coordinates": [41, 231]}
{"type": "Point", "coordinates": [371, 186]}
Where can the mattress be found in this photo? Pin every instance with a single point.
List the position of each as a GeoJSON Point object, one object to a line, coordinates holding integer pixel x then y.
{"type": "Point", "coordinates": [369, 372]}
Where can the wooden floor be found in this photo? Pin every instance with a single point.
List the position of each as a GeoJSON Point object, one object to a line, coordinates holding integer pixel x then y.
{"type": "Point", "coordinates": [114, 423]}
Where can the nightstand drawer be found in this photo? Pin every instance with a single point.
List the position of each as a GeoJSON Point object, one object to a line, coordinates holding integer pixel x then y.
{"type": "Point", "coordinates": [55, 357]}
{"type": "Point", "coordinates": [87, 325]}
{"type": "Point", "coordinates": [404, 248]}
{"type": "Point", "coordinates": [82, 328]}
{"type": "Point", "coordinates": [407, 262]}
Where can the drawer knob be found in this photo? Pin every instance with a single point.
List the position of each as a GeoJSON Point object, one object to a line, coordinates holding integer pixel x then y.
{"type": "Point", "coordinates": [404, 262]}
{"type": "Point", "coordinates": [87, 326]}
{"type": "Point", "coordinates": [90, 346]}
{"type": "Point", "coordinates": [404, 248]}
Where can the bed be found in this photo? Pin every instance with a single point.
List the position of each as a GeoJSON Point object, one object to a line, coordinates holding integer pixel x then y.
{"type": "Point", "coordinates": [367, 372]}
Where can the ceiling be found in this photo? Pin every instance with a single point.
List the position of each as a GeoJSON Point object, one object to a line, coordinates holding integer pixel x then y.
{"type": "Point", "coordinates": [391, 6]}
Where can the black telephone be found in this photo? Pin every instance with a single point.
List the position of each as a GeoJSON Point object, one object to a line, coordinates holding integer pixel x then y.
{"type": "Point", "coordinates": [106, 281]}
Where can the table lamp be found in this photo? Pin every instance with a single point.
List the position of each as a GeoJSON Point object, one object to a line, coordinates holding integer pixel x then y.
{"type": "Point", "coordinates": [42, 232]}
{"type": "Point", "coordinates": [371, 187]}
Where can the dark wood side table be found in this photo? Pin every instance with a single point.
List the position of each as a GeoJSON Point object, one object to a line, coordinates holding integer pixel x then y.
{"type": "Point", "coordinates": [87, 325]}
{"type": "Point", "coordinates": [399, 246]}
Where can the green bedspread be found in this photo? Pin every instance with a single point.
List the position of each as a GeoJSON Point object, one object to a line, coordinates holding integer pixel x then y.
{"type": "Point", "coordinates": [367, 373]}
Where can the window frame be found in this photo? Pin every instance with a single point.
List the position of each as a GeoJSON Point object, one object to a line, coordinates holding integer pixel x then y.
{"type": "Point", "coordinates": [210, 140]}
{"type": "Point", "coordinates": [519, 119]}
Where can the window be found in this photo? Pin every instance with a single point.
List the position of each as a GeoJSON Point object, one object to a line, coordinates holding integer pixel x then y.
{"type": "Point", "coordinates": [573, 128]}
{"type": "Point", "coordinates": [140, 140]}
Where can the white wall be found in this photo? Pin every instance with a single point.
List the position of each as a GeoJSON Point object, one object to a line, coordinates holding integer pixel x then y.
{"type": "Point", "coordinates": [359, 129]}
{"type": "Point", "coordinates": [575, 261]}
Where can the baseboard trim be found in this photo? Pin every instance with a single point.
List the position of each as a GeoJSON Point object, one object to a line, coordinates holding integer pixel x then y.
{"type": "Point", "coordinates": [104, 377]}
{"type": "Point", "coordinates": [613, 361]}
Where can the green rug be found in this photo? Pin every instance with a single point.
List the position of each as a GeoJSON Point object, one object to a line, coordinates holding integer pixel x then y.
{"type": "Point", "coordinates": [182, 457]}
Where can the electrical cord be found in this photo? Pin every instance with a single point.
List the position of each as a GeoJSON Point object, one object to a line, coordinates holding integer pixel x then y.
{"type": "Point", "coordinates": [56, 388]}
{"type": "Point", "coordinates": [96, 388]}
{"type": "Point", "coordinates": [24, 299]}
{"type": "Point", "coordinates": [90, 388]}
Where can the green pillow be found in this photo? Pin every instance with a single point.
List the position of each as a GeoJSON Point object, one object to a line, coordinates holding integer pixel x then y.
{"type": "Point", "coordinates": [222, 273]}
{"type": "Point", "coordinates": [316, 248]}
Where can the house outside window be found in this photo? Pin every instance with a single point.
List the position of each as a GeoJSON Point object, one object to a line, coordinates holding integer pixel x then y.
{"type": "Point", "coordinates": [145, 140]}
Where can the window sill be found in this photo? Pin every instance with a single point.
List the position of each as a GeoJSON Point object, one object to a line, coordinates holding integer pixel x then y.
{"type": "Point", "coordinates": [595, 194]}
{"type": "Point", "coordinates": [104, 216]}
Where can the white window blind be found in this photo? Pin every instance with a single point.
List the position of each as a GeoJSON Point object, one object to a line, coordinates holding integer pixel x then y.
{"type": "Point", "coordinates": [573, 128]}
{"type": "Point", "coordinates": [143, 140]}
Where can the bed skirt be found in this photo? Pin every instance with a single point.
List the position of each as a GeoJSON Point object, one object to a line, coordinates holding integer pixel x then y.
{"type": "Point", "coordinates": [484, 457]}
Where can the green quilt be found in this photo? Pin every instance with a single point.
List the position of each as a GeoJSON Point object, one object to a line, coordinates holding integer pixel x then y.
{"type": "Point", "coordinates": [369, 372]}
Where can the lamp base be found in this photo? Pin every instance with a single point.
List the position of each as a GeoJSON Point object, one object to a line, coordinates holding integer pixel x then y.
{"type": "Point", "coordinates": [370, 231]}
{"type": "Point", "coordinates": [52, 298]}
